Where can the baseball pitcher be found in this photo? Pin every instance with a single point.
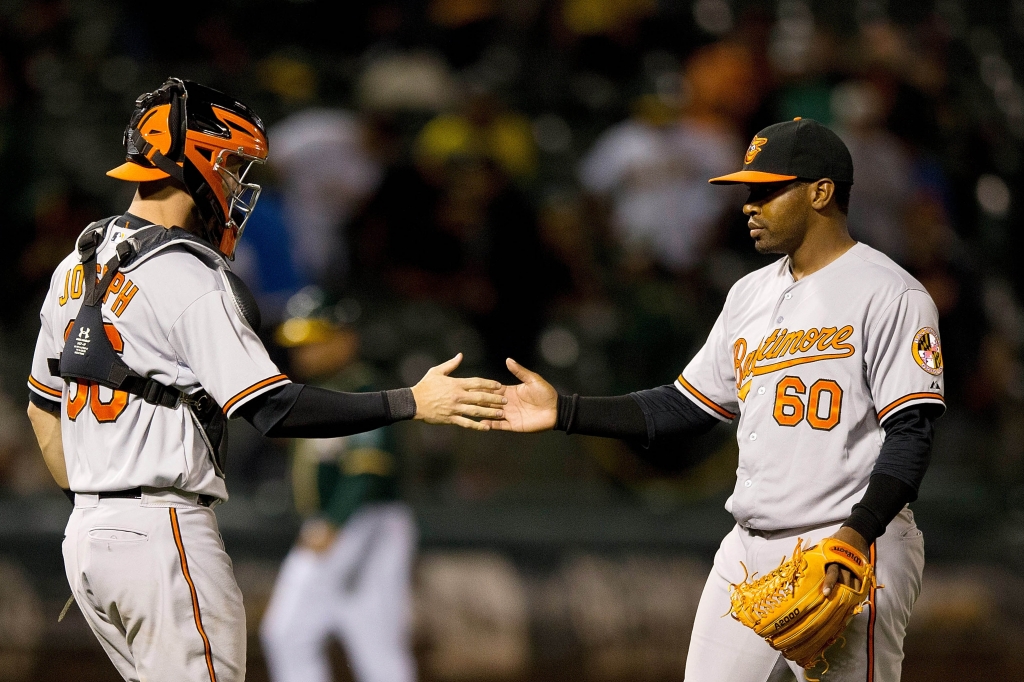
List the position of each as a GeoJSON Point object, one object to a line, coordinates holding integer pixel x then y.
{"type": "Point", "coordinates": [830, 363]}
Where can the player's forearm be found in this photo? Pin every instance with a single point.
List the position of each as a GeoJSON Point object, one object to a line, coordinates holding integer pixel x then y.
{"type": "Point", "coordinates": [882, 501]}
{"type": "Point", "coordinates": [897, 474]}
{"type": "Point", "coordinates": [300, 411]}
{"type": "Point", "coordinates": [46, 426]}
{"type": "Point", "coordinates": [643, 416]}
{"type": "Point", "coordinates": [610, 417]}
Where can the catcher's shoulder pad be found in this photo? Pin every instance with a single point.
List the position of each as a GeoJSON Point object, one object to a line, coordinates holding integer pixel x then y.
{"type": "Point", "coordinates": [151, 241]}
{"type": "Point", "coordinates": [155, 239]}
{"type": "Point", "coordinates": [93, 234]}
{"type": "Point", "coordinates": [245, 302]}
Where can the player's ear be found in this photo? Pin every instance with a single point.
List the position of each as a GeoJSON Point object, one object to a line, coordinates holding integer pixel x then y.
{"type": "Point", "coordinates": [821, 193]}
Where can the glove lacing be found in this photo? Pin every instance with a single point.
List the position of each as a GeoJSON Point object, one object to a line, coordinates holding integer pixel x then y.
{"type": "Point", "coordinates": [760, 597]}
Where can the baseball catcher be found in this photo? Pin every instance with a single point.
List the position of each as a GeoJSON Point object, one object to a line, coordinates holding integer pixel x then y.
{"type": "Point", "coordinates": [148, 344]}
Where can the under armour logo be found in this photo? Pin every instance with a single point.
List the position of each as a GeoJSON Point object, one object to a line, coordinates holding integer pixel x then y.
{"type": "Point", "coordinates": [82, 342]}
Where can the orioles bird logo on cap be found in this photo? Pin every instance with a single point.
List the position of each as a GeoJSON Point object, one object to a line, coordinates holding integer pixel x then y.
{"type": "Point", "coordinates": [754, 149]}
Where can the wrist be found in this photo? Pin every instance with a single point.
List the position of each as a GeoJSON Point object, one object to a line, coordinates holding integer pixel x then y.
{"type": "Point", "coordinates": [565, 412]}
{"type": "Point", "coordinates": [882, 501]}
{"type": "Point", "coordinates": [854, 538]}
{"type": "Point", "coordinates": [864, 524]}
{"type": "Point", "coordinates": [401, 404]}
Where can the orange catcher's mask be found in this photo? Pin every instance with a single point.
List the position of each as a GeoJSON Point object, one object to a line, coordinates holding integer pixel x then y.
{"type": "Point", "coordinates": [206, 141]}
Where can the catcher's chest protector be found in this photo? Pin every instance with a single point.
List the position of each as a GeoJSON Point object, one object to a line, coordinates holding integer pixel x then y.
{"type": "Point", "coordinates": [89, 353]}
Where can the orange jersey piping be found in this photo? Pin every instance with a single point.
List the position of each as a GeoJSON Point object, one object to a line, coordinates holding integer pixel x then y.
{"type": "Point", "coordinates": [705, 400]}
{"type": "Point", "coordinates": [906, 399]}
{"type": "Point", "coordinates": [252, 389]}
{"type": "Point", "coordinates": [44, 388]}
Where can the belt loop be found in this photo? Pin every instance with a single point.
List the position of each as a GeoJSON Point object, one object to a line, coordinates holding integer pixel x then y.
{"type": "Point", "coordinates": [86, 500]}
{"type": "Point", "coordinates": [172, 497]}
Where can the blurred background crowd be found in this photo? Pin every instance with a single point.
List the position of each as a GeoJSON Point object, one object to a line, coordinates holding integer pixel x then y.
{"type": "Point", "coordinates": [528, 178]}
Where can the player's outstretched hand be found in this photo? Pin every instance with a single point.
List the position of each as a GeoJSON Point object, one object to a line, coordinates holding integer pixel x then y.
{"type": "Point", "coordinates": [532, 405]}
{"type": "Point", "coordinates": [441, 399]}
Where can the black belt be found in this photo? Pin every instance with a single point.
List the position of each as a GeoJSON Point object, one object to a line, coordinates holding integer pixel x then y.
{"type": "Point", "coordinates": [136, 494]}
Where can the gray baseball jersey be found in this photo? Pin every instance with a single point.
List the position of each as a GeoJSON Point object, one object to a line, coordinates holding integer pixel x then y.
{"type": "Point", "coordinates": [813, 368]}
{"type": "Point", "coordinates": [172, 318]}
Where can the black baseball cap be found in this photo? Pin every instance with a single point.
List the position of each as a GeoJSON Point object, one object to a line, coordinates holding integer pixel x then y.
{"type": "Point", "coordinates": [801, 148]}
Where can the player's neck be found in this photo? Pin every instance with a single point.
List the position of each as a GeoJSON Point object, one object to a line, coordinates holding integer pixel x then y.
{"type": "Point", "coordinates": [169, 208]}
{"type": "Point", "coordinates": [822, 244]}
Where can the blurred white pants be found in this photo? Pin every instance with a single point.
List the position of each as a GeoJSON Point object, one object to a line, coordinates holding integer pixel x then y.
{"type": "Point", "coordinates": [357, 592]}
{"type": "Point", "coordinates": [724, 650]}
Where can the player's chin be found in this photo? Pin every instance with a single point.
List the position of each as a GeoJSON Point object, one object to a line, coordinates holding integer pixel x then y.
{"type": "Point", "coordinates": [763, 245]}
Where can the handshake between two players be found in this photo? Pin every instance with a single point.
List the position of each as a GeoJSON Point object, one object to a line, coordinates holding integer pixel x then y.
{"type": "Point", "coordinates": [483, 404]}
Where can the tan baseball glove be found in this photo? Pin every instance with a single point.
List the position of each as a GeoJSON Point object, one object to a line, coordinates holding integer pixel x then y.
{"type": "Point", "coordinates": [787, 608]}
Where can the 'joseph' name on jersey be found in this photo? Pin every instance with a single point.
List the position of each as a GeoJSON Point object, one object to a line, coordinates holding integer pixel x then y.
{"type": "Point", "coordinates": [813, 368]}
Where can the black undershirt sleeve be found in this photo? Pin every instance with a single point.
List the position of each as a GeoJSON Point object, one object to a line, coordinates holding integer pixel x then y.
{"type": "Point", "coordinates": [301, 411]}
{"type": "Point", "coordinates": [898, 472]}
{"type": "Point", "coordinates": [643, 416]}
{"type": "Point", "coordinates": [612, 417]}
{"type": "Point", "coordinates": [670, 414]}
{"type": "Point", "coordinates": [51, 406]}
{"type": "Point", "coordinates": [882, 501]}
{"type": "Point", "coordinates": [908, 445]}
{"type": "Point", "coordinates": [658, 420]}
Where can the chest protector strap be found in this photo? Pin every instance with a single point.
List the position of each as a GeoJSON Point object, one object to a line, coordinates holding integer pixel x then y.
{"type": "Point", "coordinates": [89, 354]}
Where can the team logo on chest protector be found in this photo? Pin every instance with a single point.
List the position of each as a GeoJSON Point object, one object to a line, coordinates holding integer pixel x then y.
{"type": "Point", "coordinates": [783, 349]}
{"type": "Point", "coordinates": [927, 351]}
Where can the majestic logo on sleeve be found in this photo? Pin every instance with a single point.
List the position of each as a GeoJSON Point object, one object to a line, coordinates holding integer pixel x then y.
{"type": "Point", "coordinates": [754, 149]}
{"type": "Point", "coordinates": [927, 351]}
{"type": "Point", "coordinates": [801, 346]}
